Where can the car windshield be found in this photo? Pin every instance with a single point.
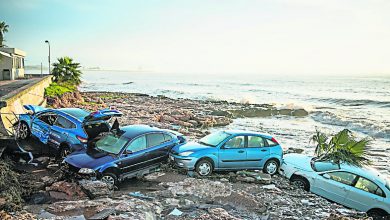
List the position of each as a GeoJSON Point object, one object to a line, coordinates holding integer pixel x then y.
{"type": "Point", "coordinates": [214, 139]}
{"type": "Point", "coordinates": [112, 143]}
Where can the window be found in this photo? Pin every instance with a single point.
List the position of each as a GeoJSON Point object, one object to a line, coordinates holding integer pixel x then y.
{"type": "Point", "coordinates": [343, 177]}
{"type": "Point", "coordinates": [137, 145]}
{"type": "Point", "coordinates": [255, 142]}
{"type": "Point", "coordinates": [155, 139]}
{"type": "Point", "coordinates": [236, 142]}
{"type": "Point", "coordinates": [167, 137]}
{"type": "Point", "coordinates": [64, 123]}
{"type": "Point", "coordinates": [214, 139]}
{"type": "Point", "coordinates": [368, 186]}
{"type": "Point", "coordinates": [48, 118]}
{"type": "Point", "coordinates": [112, 143]}
{"type": "Point", "coordinates": [271, 143]}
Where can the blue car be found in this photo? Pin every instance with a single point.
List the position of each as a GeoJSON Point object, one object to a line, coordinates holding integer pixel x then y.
{"type": "Point", "coordinates": [65, 129]}
{"type": "Point", "coordinates": [130, 151]}
{"type": "Point", "coordinates": [361, 188]}
{"type": "Point", "coordinates": [229, 150]}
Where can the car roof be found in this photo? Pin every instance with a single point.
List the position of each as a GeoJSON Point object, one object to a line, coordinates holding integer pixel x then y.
{"type": "Point", "coordinates": [365, 171]}
{"type": "Point", "coordinates": [244, 132]}
{"type": "Point", "coordinates": [132, 131]}
{"type": "Point", "coordinates": [77, 113]}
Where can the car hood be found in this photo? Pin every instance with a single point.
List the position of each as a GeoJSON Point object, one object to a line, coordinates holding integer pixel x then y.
{"type": "Point", "coordinates": [298, 160]}
{"type": "Point", "coordinates": [90, 158]}
{"type": "Point", "coordinates": [190, 146]}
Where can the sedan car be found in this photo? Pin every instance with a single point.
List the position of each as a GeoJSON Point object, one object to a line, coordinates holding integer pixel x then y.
{"type": "Point", "coordinates": [361, 188]}
{"type": "Point", "coordinates": [65, 129]}
{"type": "Point", "coordinates": [229, 150]}
{"type": "Point", "coordinates": [130, 151]}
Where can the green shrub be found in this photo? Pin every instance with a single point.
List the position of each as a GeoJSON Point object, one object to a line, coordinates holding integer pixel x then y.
{"type": "Point", "coordinates": [58, 89]}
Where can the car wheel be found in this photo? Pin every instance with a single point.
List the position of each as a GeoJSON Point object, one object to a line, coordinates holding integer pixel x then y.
{"type": "Point", "coordinates": [23, 131]}
{"type": "Point", "coordinates": [204, 167]}
{"type": "Point", "coordinates": [300, 182]}
{"type": "Point", "coordinates": [109, 178]}
{"type": "Point", "coordinates": [271, 167]}
{"type": "Point", "coordinates": [377, 213]}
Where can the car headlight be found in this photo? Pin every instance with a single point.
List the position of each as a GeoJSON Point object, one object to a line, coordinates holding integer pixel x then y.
{"type": "Point", "coordinates": [185, 154]}
{"type": "Point", "coordinates": [86, 171]}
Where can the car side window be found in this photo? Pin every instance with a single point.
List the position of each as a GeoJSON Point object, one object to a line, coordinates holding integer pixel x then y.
{"type": "Point", "coordinates": [343, 177]}
{"type": "Point", "coordinates": [48, 118]}
{"type": "Point", "coordinates": [64, 123]}
{"type": "Point", "coordinates": [271, 143]}
{"type": "Point", "coordinates": [368, 186]}
{"type": "Point", "coordinates": [155, 139]}
{"type": "Point", "coordinates": [167, 137]}
{"type": "Point", "coordinates": [236, 142]}
{"type": "Point", "coordinates": [137, 145]}
{"type": "Point", "coordinates": [255, 142]}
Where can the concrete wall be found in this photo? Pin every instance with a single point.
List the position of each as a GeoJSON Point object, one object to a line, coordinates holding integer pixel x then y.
{"type": "Point", "coordinates": [30, 94]}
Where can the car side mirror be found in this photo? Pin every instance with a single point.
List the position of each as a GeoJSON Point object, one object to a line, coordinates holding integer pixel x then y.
{"type": "Point", "coordinates": [326, 176]}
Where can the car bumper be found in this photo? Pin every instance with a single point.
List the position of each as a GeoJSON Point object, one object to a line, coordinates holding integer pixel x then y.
{"type": "Point", "coordinates": [287, 170]}
{"type": "Point", "coordinates": [187, 163]}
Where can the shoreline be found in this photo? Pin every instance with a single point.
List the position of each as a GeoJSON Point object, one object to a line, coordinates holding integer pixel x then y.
{"type": "Point", "coordinates": [220, 196]}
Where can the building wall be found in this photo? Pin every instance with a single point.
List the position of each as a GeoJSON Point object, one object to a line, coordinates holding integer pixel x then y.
{"type": "Point", "coordinates": [15, 64]}
{"type": "Point", "coordinates": [31, 94]}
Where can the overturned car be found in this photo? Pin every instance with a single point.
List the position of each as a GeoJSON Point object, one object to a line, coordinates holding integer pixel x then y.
{"type": "Point", "coordinates": [65, 129]}
{"type": "Point", "coordinates": [125, 152]}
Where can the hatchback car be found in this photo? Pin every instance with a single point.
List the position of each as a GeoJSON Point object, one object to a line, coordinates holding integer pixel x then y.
{"type": "Point", "coordinates": [361, 188]}
{"type": "Point", "coordinates": [130, 151]}
{"type": "Point", "coordinates": [65, 129]}
{"type": "Point", "coordinates": [229, 150]}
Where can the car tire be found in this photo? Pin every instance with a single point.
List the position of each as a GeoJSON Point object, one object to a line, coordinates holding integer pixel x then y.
{"type": "Point", "coordinates": [300, 182]}
{"type": "Point", "coordinates": [204, 167]}
{"type": "Point", "coordinates": [271, 167]}
{"type": "Point", "coordinates": [377, 213]}
{"type": "Point", "coordinates": [109, 178]}
{"type": "Point", "coordinates": [23, 131]}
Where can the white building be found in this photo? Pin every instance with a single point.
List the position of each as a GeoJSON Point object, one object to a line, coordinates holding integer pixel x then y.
{"type": "Point", "coordinates": [11, 63]}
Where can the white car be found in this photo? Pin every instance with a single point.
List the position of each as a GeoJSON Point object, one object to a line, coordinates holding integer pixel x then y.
{"type": "Point", "coordinates": [360, 188]}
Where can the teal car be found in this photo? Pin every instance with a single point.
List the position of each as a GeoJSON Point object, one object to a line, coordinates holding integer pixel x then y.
{"type": "Point", "coordinates": [229, 150]}
{"type": "Point", "coordinates": [360, 188]}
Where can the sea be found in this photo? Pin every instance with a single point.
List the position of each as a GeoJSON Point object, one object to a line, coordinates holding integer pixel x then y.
{"type": "Point", "coordinates": [360, 103]}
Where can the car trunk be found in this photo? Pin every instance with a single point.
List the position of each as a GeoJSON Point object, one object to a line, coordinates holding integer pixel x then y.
{"type": "Point", "coordinates": [94, 129]}
{"type": "Point", "coordinates": [96, 122]}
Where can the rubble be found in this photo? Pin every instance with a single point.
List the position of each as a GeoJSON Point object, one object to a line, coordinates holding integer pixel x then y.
{"type": "Point", "coordinates": [95, 188]}
{"type": "Point", "coordinates": [63, 190]}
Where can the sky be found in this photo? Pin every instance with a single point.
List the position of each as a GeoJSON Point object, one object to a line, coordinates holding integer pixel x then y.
{"type": "Point", "coordinates": [206, 36]}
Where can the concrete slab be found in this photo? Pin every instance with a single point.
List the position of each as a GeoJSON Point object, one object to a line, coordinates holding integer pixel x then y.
{"type": "Point", "coordinates": [9, 87]}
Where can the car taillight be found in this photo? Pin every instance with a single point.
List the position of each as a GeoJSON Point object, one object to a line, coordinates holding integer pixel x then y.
{"type": "Point", "coordinates": [81, 139]}
{"type": "Point", "coordinates": [274, 140]}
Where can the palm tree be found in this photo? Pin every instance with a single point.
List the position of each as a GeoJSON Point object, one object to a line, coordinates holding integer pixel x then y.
{"type": "Point", "coordinates": [65, 70]}
{"type": "Point", "coordinates": [3, 29]}
{"type": "Point", "coordinates": [340, 148]}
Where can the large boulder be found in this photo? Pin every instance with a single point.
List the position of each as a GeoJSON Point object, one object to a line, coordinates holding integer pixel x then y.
{"type": "Point", "coordinates": [95, 188]}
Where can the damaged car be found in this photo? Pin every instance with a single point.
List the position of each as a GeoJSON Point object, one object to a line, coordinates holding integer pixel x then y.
{"type": "Point", "coordinates": [229, 150]}
{"type": "Point", "coordinates": [125, 152]}
{"type": "Point", "coordinates": [64, 129]}
{"type": "Point", "coordinates": [360, 188]}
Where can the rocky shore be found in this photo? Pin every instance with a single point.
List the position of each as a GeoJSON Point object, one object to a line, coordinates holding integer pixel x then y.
{"type": "Point", "coordinates": [168, 193]}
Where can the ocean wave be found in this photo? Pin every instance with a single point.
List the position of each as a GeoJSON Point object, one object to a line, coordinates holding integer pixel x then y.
{"type": "Point", "coordinates": [368, 127]}
{"type": "Point", "coordinates": [356, 102]}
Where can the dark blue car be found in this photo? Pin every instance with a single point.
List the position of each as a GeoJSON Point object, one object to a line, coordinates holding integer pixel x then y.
{"type": "Point", "coordinates": [127, 152]}
{"type": "Point", "coordinates": [65, 129]}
